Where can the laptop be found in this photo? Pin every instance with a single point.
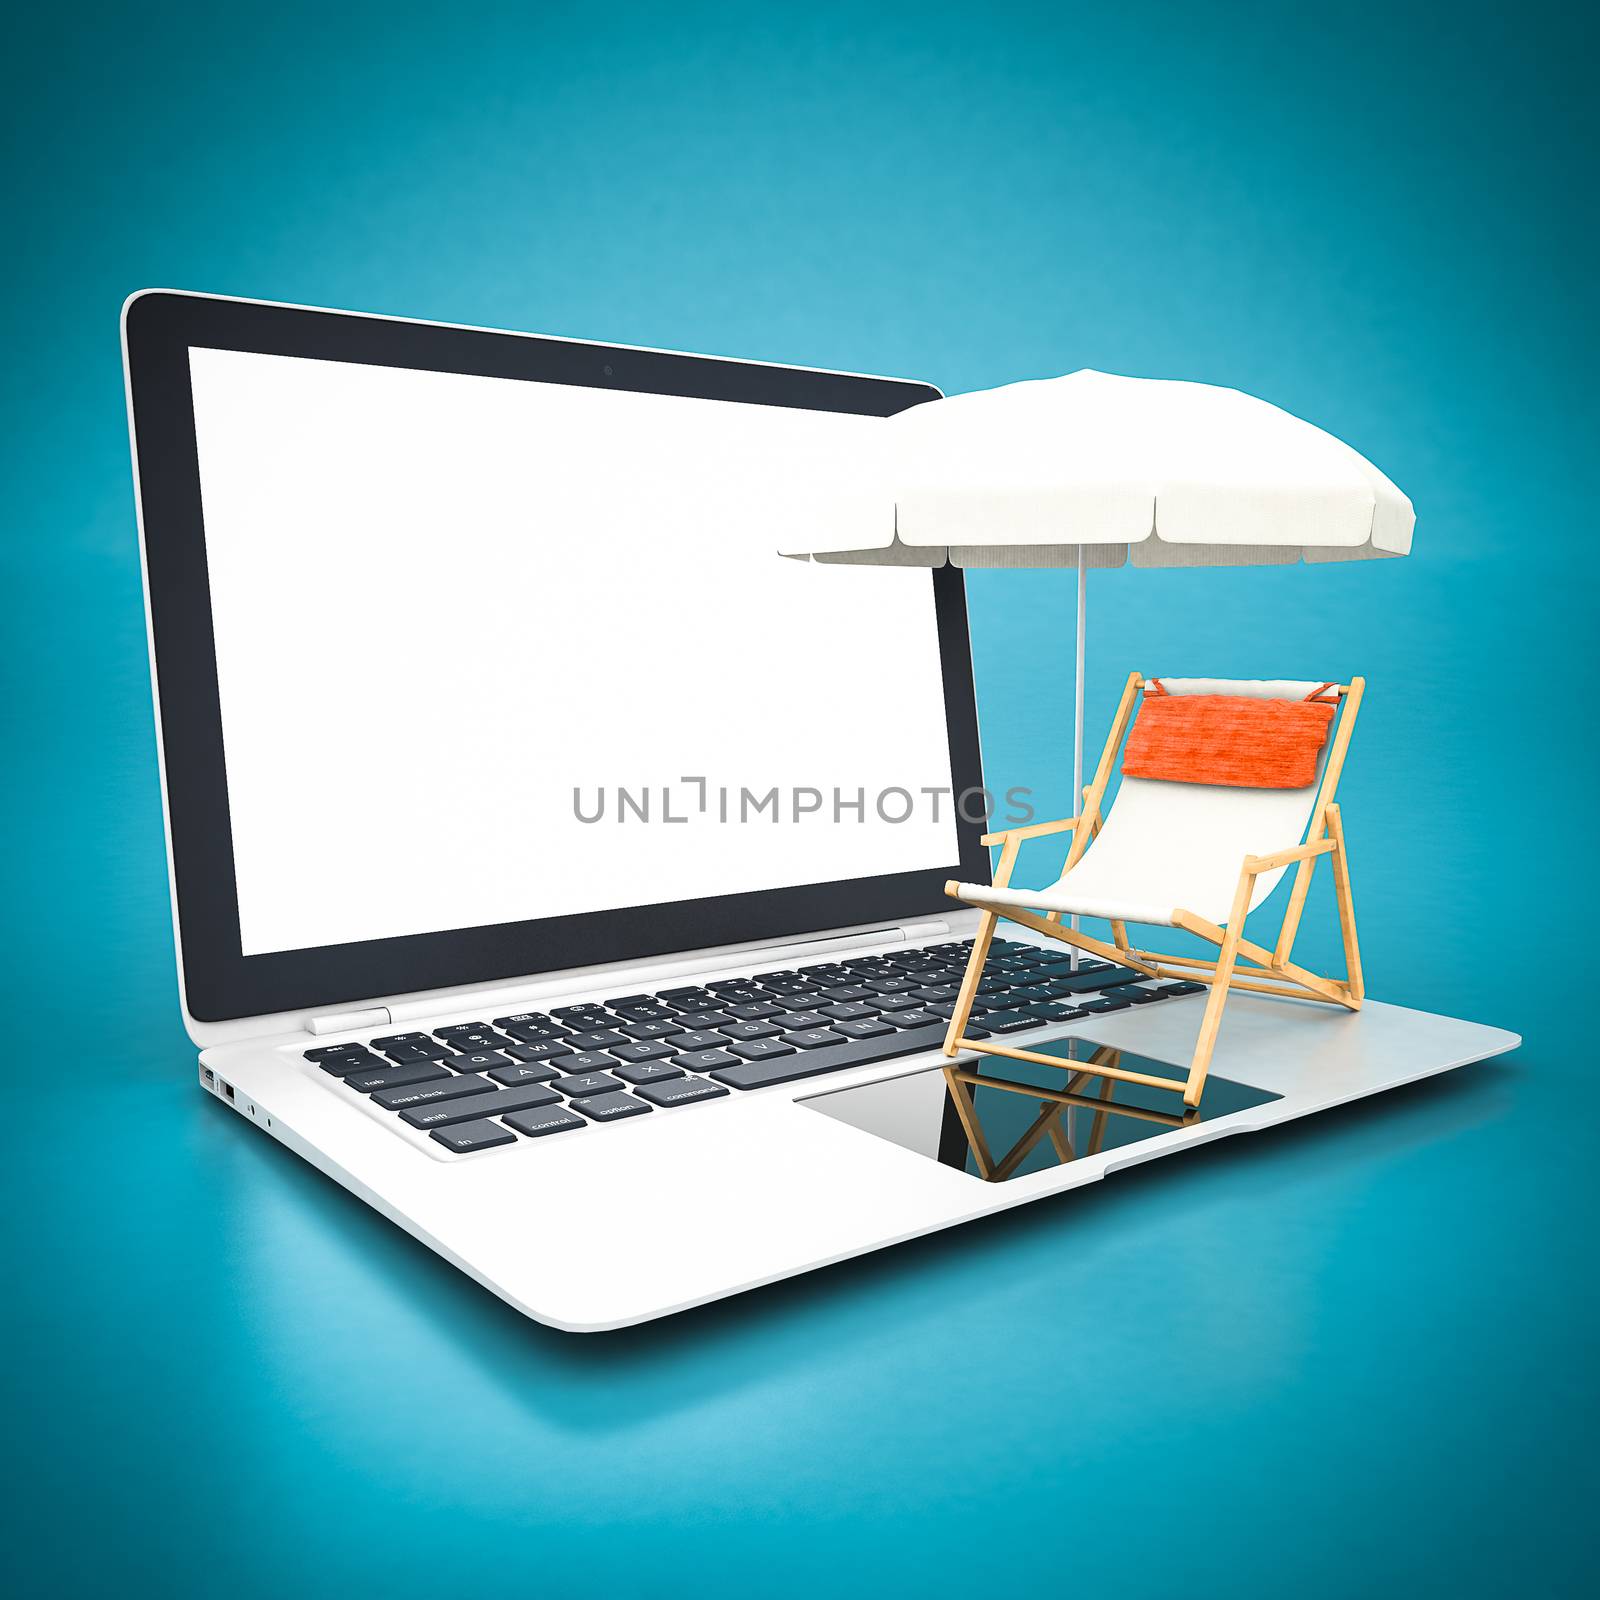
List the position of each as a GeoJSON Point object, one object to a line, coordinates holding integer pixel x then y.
{"type": "Point", "coordinates": [558, 868]}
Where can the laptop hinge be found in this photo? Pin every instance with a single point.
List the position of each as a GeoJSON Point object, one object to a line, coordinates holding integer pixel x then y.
{"type": "Point", "coordinates": [349, 1021]}
{"type": "Point", "coordinates": [645, 976]}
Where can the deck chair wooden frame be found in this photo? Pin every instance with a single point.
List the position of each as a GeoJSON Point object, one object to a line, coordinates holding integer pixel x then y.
{"type": "Point", "coordinates": [1240, 963]}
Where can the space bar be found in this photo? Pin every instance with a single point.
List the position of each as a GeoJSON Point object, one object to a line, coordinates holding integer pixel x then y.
{"type": "Point", "coordinates": [830, 1058]}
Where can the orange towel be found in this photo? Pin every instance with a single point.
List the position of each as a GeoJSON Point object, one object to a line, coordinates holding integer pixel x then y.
{"type": "Point", "coordinates": [1228, 739]}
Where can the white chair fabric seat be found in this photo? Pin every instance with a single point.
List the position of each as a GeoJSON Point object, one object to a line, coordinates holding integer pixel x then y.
{"type": "Point", "coordinates": [1166, 847]}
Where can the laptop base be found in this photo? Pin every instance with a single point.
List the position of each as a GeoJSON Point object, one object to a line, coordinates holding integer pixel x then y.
{"type": "Point", "coordinates": [605, 1229]}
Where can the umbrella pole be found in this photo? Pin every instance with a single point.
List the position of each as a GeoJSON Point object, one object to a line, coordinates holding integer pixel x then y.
{"type": "Point", "coordinates": [1077, 707]}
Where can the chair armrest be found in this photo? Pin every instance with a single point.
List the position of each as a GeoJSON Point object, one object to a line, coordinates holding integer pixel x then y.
{"type": "Point", "coordinates": [1284, 858]}
{"type": "Point", "coordinates": [1035, 830]}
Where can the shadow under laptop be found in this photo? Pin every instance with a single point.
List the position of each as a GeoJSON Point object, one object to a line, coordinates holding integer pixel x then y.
{"type": "Point", "coordinates": [319, 1258]}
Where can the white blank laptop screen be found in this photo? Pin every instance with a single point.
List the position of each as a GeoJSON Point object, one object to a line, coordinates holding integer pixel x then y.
{"type": "Point", "coordinates": [444, 603]}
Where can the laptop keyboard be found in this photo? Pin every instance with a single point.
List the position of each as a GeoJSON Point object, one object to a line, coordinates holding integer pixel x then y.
{"type": "Point", "coordinates": [477, 1085]}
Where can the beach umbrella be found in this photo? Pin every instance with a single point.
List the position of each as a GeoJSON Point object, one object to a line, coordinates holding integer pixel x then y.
{"type": "Point", "coordinates": [1095, 470]}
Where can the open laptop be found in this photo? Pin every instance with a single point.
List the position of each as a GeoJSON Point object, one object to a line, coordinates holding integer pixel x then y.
{"type": "Point", "coordinates": [559, 869]}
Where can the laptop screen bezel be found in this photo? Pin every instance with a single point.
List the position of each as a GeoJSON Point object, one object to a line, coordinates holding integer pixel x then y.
{"type": "Point", "coordinates": [221, 983]}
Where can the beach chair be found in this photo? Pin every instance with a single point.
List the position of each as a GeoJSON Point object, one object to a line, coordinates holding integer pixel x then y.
{"type": "Point", "coordinates": [1225, 786]}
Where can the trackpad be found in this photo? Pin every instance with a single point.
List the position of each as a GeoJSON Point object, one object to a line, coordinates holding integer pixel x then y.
{"type": "Point", "coordinates": [996, 1118]}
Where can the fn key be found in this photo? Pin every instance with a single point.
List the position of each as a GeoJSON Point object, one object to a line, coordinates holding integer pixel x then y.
{"type": "Point", "coordinates": [466, 1137]}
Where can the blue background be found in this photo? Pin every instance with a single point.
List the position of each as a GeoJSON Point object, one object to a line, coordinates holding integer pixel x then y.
{"type": "Point", "coordinates": [1354, 1356]}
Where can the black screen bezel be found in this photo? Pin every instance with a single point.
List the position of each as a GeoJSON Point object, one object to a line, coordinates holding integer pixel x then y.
{"type": "Point", "coordinates": [220, 982]}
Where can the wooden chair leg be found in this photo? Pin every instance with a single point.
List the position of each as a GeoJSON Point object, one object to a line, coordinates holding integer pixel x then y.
{"type": "Point", "coordinates": [1347, 908]}
{"type": "Point", "coordinates": [969, 983]}
{"type": "Point", "coordinates": [1211, 1021]}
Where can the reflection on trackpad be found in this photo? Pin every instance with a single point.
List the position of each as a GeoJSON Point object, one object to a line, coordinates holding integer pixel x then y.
{"type": "Point", "coordinates": [995, 1118]}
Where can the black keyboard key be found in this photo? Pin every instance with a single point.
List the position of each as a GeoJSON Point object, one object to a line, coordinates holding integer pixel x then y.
{"type": "Point", "coordinates": [680, 1092]}
{"type": "Point", "coordinates": [762, 1049]}
{"type": "Point", "coordinates": [849, 1012]}
{"type": "Point", "coordinates": [536, 1052]}
{"type": "Point", "coordinates": [586, 1061]}
{"type": "Point", "coordinates": [457, 1033]}
{"type": "Point", "coordinates": [630, 1000]}
{"type": "Point", "coordinates": [422, 1094]}
{"type": "Point", "coordinates": [648, 1071]}
{"type": "Point", "coordinates": [887, 1004]}
{"type": "Point", "coordinates": [525, 1023]}
{"type": "Point", "coordinates": [645, 1013]}
{"type": "Point", "coordinates": [400, 1038]}
{"type": "Point", "coordinates": [533, 1072]}
{"type": "Point", "coordinates": [1110, 1002]}
{"type": "Point", "coordinates": [523, 1019]}
{"type": "Point", "coordinates": [849, 992]}
{"type": "Point", "coordinates": [333, 1052]}
{"type": "Point", "coordinates": [800, 1019]}
{"type": "Point", "coordinates": [935, 992]}
{"type": "Point", "coordinates": [1022, 993]}
{"type": "Point", "coordinates": [640, 1050]}
{"type": "Point", "coordinates": [651, 1030]}
{"type": "Point", "coordinates": [750, 1030]}
{"type": "Point", "coordinates": [1171, 991]}
{"type": "Point", "coordinates": [600, 1039]}
{"type": "Point", "coordinates": [488, 1040]}
{"type": "Point", "coordinates": [1054, 1011]}
{"type": "Point", "coordinates": [552, 1119]}
{"type": "Point", "coordinates": [610, 1107]}
{"type": "Point", "coordinates": [529, 1034]}
{"type": "Point", "coordinates": [394, 1077]}
{"type": "Point", "coordinates": [577, 1013]}
{"type": "Point", "coordinates": [470, 1136]}
{"type": "Point", "coordinates": [812, 1038]}
{"type": "Point", "coordinates": [867, 1028]}
{"type": "Point", "coordinates": [478, 1061]}
{"type": "Point", "coordinates": [807, 1063]}
{"type": "Point", "coordinates": [699, 1021]}
{"type": "Point", "coordinates": [1008, 1021]}
{"type": "Point", "coordinates": [1057, 967]}
{"type": "Point", "coordinates": [492, 1105]}
{"type": "Point", "coordinates": [700, 1040]}
{"type": "Point", "coordinates": [916, 1019]}
{"type": "Point", "coordinates": [485, 1039]}
{"type": "Point", "coordinates": [343, 1066]}
{"type": "Point", "coordinates": [694, 992]}
{"type": "Point", "coordinates": [755, 1012]}
{"type": "Point", "coordinates": [1055, 989]}
{"type": "Point", "coordinates": [1086, 979]}
{"type": "Point", "coordinates": [429, 1050]}
{"type": "Point", "coordinates": [1138, 993]}
{"type": "Point", "coordinates": [580, 1084]}
{"type": "Point", "coordinates": [889, 985]}
{"type": "Point", "coordinates": [705, 1060]}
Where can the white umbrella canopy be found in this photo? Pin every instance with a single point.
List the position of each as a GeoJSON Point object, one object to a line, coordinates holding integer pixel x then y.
{"type": "Point", "coordinates": [1090, 467]}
